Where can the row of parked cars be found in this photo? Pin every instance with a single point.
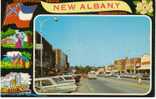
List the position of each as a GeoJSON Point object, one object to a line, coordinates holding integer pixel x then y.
{"type": "Point", "coordinates": [134, 76]}
{"type": "Point", "coordinates": [56, 84]}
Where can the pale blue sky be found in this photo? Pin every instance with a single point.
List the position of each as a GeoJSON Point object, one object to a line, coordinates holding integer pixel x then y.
{"type": "Point", "coordinates": [96, 40]}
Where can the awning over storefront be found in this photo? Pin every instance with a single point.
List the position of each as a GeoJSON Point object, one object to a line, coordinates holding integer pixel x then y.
{"type": "Point", "coordinates": [145, 67]}
{"type": "Point", "coordinates": [114, 71]}
{"type": "Point", "coordinates": [108, 71]}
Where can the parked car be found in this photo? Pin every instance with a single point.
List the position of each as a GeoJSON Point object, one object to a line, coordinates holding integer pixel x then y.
{"type": "Point", "coordinates": [146, 77]}
{"type": "Point", "coordinates": [54, 85]}
{"type": "Point", "coordinates": [108, 75]}
{"type": "Point", "coordinates": [77, 78]}
{"type": "Point", "coordinates": [128, 76]}
{"type": "Point", "coordinates": [143, 76]}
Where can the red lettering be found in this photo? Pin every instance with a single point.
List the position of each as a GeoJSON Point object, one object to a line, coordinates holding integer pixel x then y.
{"type": "Point", "coordinates": [89, 7]}
{"type": "Point", "coordinates": [109, 5]}
{"type": "Point", "coordinates": [117, 5]}
{"type": "Point", "coordinates": [63, 7]}
{"type": "Point", "coordinates": [103, 6]}
{"type": "Point", "coordinates": [56, 7]}
{"type": "Point", "coordinates": [82, 6]}
{"type": "Point", "coordinates": [71, 7]}
{"type": "Point", "coordinates": [96, 6]}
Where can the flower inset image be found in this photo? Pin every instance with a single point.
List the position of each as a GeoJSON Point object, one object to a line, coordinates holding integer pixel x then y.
{"type": "Point", "coordinates": [144, 7]}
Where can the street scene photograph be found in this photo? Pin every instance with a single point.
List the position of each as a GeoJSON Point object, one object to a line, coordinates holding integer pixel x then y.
{"type": "Point", "coordinates": [92, 55]}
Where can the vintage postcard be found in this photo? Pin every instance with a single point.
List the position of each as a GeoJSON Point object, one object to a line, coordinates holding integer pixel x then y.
{"type": "Point", "coordinates": [77, 48]}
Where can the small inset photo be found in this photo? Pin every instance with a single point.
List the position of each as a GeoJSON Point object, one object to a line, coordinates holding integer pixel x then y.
{"type": "Point", "coordinates": [92, 55]}
{"type": "Point", "coordinates": [14, 83]}
{"type": "Point", "coordinates": [16, 59]}
{"type": "Point", "coordinates": [14, 38]}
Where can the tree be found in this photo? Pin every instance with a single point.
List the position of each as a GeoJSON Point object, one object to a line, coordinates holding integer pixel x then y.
{"type": "Point", "coordinates": [7, 33]}
{"type": "Point", "coordinates": [83, 69]}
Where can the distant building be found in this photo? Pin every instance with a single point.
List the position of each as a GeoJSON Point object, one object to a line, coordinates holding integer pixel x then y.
{"type": "Point", "coordinates": [120, 65]}
{"type": "Point", "coordinates": [127, 65]}
{"type": "Point", "coordinates": [57, 56]}
{"type": "Point", "coordinates": [114, 69]}
{"type": "Point", "coordinates": [100, 70]}
{"type": "Point", "coordinates": [61, 61]}
{"type": "Point", "coordinates": [145, 64]}
{"type": "Point", "coordinates": [108, 69]}
{"type": "Point", "coordinates": [132, 64]}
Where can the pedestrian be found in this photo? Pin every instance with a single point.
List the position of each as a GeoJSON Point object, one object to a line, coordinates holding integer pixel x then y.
{"type": "Point", "coordinates": [139, 80]}
{"type": "Point", "coordinates": [118, 76]}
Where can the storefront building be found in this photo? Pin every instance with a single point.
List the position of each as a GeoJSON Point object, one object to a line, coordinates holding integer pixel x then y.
{"type": "Point", "coordinates": [145, 64]}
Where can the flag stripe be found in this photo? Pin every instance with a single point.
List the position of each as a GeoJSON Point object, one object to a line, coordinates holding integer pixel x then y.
{"type": "Point", "coordinates": [24, 16]}
{"type": "Point", "coordinates": [28, 9]}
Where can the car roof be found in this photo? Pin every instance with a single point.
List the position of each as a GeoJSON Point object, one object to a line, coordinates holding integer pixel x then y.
{"type": "Point", "coordinates": [67, 75]}
{"type": "Point", "coordinates": [43, 78]}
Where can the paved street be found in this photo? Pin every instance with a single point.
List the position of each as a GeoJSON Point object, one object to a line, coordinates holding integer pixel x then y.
{"type": "Point", "coordinates": [112, 85]}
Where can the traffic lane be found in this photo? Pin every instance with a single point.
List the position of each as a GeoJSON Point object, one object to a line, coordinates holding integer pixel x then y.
{"type": "Point", "coordinates": [108, 85]}
{"type": "Point", "coordinates": [127, 86]}
{"type": "Point", "coordinates": [101, 86]}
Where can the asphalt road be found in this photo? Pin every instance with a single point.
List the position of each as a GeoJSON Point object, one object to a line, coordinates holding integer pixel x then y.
{"type": "Point", "coordinates": [112, 85]}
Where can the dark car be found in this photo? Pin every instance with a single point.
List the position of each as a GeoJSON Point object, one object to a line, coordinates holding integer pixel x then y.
{"type": "Point", "coordinates": [77, 78]}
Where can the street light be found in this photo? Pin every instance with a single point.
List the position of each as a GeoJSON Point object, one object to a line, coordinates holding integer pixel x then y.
{"type": "Point", "coordinates": [41, 25]}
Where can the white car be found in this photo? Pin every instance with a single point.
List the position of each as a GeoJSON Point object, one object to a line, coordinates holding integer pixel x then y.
{"type": "Point", "coordinates": [92, 75]}
{"type": "Point", "coordinates": [54, 85]}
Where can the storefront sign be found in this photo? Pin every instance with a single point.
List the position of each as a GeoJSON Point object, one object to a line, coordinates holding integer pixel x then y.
{"type": "Point", "coordinates": [39, 46]}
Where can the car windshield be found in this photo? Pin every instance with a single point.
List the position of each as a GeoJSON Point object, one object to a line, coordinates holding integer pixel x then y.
{"type": "Point", "coordinates": [91, 73]}
{"type": "Point", "coordinates": [68, 78]}
{"type": "Point", "coordinates": [58, 80]}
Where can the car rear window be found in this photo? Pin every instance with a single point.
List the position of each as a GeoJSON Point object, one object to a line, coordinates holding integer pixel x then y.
{"type": "Point", "coordinates": [46, 83]}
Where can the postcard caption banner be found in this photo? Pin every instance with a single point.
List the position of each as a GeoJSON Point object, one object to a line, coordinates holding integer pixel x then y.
{"type": "Point", "coordinates": [87, 6]}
